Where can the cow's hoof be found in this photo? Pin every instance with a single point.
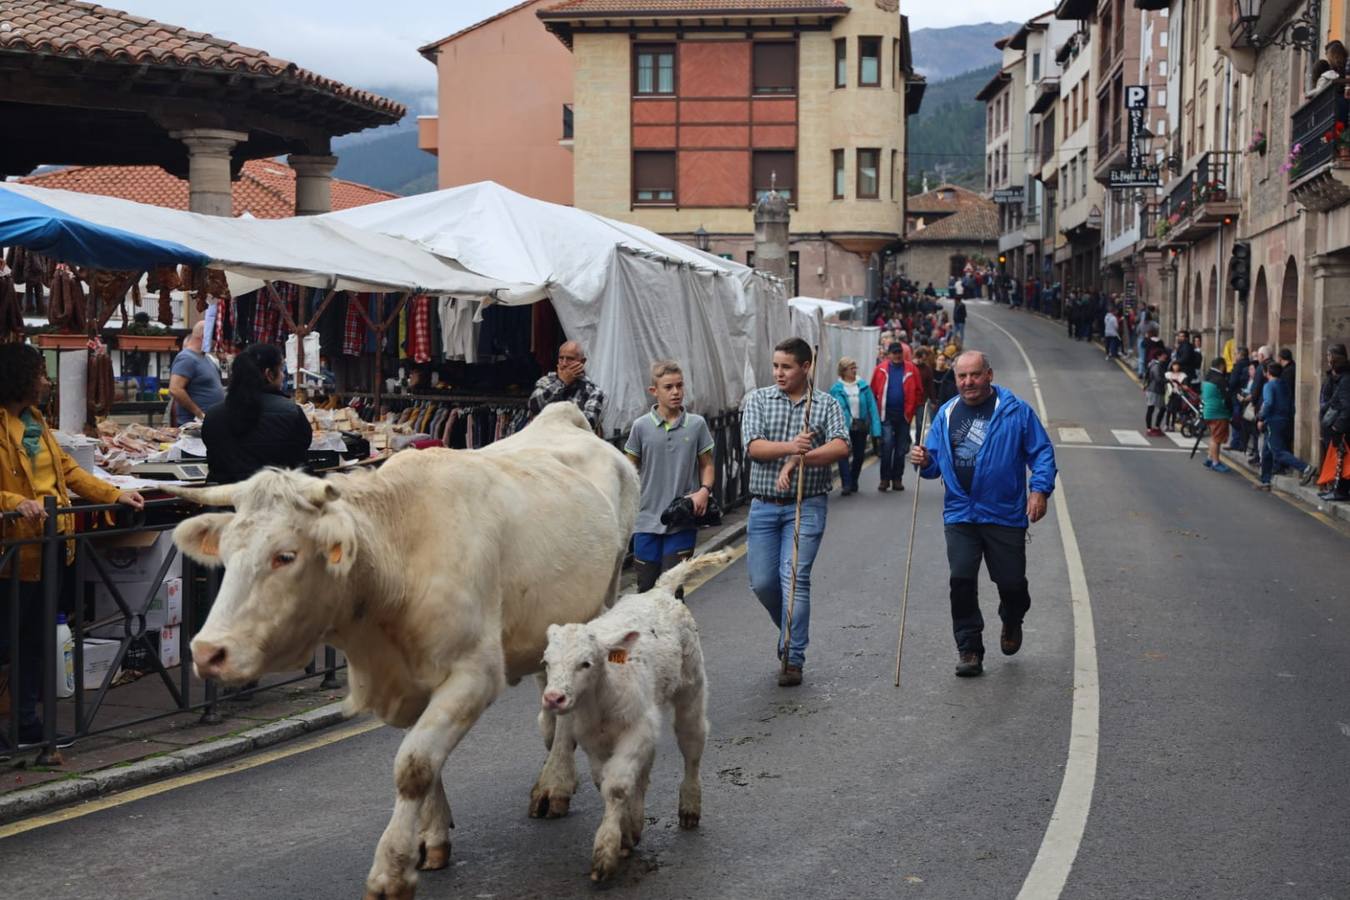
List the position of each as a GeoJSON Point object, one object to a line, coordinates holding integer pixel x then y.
{"type": "Point", "coordinates": [689, 818]}
{"type": "Point", "coordinates": [603, 866]}
{"type": "Point", "coordinates": [404, 893]}
{"type": "Point", "coordinates": [544, 805]}
{"type": "Point", "coordinates": [435, 857]}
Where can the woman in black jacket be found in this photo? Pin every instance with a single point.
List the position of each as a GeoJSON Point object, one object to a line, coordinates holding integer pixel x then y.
{"type": "Point", "coordinates": [257, 425]}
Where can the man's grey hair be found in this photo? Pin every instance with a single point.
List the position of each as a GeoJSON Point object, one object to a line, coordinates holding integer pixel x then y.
{"type": "Point", "coordinates": [983, 357]}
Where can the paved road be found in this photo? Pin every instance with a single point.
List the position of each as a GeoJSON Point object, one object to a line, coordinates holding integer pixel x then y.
{"type": "Point", "coordinates": [1224, 735]}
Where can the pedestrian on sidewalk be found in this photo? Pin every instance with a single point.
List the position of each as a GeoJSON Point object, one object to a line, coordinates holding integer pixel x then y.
{"type": "Point", "coordinates": [861, 418]}
{"type": "Point", "coordinates": [1237, 385]}
{"type": "Point", "coordinates": [1155, 386]}
{"type": "Point", "coordinates": [1277, 423]}
{"type": "Point", "coordinates": [981, 444]}
{"type": "Point", "coordinates": [1111, 331]}
{"type": "Point", "coordinates": [1256, 385]}
{"type": "Point", "coordinates": [959, 319]}
{"type": "Point", "coordinates": [1214, 408]}
{"type": "Point", "coordinates": [777, 438]}
{"type": "Point", "coordinates": [1335, 422]}
{"type": "Point", "coordinates": [898, 387]}
{"type": "Point", "coordinates": [673, 452]}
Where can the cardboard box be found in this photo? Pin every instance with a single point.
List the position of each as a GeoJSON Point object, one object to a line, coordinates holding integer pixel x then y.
{"type": "Point", "coordinates": [98, 659]}
{"type": "Point", "coordinates": [168, 646]}
{"type": "Point", "coordinates": [135, 557]}
{"type": "Point", "coordinates": [166, 608]}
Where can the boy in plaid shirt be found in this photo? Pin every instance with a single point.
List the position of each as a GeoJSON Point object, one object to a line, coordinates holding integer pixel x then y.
{"type": "Point", "coordinates": [777, 439]}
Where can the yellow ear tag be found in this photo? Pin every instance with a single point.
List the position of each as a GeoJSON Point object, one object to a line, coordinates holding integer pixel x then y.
{"type": "Point", "coordinates": [210, 545]}
{"type": "Point", "coordinates": [335, 555]}
{"type": "Point", "coordinates": [619, 656]}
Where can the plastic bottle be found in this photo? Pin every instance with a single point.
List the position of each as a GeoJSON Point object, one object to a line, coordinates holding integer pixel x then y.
{"type": "Point", "coordinates": [65, 658]}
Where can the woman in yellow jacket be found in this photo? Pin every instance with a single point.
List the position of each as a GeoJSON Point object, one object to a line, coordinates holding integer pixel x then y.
{"type": "Point", "coordinates": [32, 467]}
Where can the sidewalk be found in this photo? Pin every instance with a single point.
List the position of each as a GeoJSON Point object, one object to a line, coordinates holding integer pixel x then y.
{"type": "Point", "coordinates": [125, 757]}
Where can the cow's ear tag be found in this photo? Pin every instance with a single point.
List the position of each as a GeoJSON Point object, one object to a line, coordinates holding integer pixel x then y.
{"type": "Point", "coordinates": [210, 545]}
{"type": "Point", "coordinates": [335, 554]}
{"type": "Point", "coordinates": [618, 655]}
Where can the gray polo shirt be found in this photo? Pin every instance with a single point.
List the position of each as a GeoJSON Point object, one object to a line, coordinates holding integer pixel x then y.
{"type": "Point", "coordinates": [667, 458]}
{"type": "Point", "coordinates": [203, 381]}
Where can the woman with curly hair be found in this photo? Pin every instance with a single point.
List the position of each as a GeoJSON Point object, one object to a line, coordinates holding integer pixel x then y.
{"type": "Point", "coordinates": [33, 467]}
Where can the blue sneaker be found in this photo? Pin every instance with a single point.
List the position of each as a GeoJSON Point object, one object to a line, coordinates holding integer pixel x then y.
{"type": "Point", "coordinates": [1220, 467]}
{"type": "Point", "coordinates": [1209, 464]}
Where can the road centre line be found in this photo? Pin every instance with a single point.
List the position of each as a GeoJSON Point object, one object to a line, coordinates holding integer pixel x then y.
{"type": "Point", "coordinates": [1064, 834]}
{"type": "Point", "coordinates": [1073, 446]}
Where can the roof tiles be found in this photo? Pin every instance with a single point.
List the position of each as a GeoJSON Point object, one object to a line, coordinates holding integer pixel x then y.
{"type": "Point", "coordinates": [86, 31]}
{"type": "Point", "coordinates": [703, 7]}
{"type": "Point", "coordinates": [265, 189]}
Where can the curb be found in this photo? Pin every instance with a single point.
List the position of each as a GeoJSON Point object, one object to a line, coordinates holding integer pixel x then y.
{"type": "Point", "coordinates": [43, 797]}
{"type": "Point", "coordinates": [725, 538]}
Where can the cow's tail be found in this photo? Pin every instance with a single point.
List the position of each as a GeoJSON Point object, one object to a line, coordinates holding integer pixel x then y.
{"type": "Point", "coordinates": [686, 570]}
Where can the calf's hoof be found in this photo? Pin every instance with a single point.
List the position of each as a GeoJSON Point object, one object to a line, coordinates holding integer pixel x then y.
{"type": "Point", "coordinates": [689, 818]}
{"type": "Point", "coordinates": [404, 892]}
{"type": "Point", "coordinates": [604, 864]}
{"type": "Point", "coordinates": [435, 857]}
{"type": "Point", "coordinates": [549, 805]}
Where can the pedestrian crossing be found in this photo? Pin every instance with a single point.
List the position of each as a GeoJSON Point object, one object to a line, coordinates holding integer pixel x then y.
{"type": "Point", "coordinates": [1121, 439]}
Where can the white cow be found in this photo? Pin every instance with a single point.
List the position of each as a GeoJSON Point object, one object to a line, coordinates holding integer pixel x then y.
{"type": "Point", "coordinates": [615, 676]}
{"type": "Point", "coordinates": [438, 576]}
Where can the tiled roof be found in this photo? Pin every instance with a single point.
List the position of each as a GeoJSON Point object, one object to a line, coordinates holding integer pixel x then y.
{"type": "Point", "coordinates": [78, 30]}
{"type": "Point", "coordinates": [693, 7]}
{"type": "Point", "coordinates": [265, 189]}
{"type": "Point", "coordinates": [965, 216]}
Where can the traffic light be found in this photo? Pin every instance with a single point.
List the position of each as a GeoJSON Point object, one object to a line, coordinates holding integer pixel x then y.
{"type": "Point", "coordinates": [1002, 260]}
{"type": "Point", "coordinates": [1240, 267]}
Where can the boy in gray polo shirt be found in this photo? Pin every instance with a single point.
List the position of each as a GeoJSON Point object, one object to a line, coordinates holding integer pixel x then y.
{"type": "Point", "coordinates": [673, 451]}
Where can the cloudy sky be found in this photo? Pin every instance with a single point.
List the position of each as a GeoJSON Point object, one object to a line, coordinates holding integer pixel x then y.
{"type": "Point", "coordinates": [375, 44]}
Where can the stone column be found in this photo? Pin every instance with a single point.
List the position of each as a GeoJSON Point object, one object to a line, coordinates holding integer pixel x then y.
{"type": "Point", "coordinates": [771, 236]}
{"type": "Point", "coordinates": [313, 183]}
{"type": "Point", "coordinates": [209, 168]}
{"type": "Point", "coordinates": [1324, 321]}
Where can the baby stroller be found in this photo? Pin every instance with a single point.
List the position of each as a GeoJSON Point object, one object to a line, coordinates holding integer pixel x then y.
{"type": "Point", "coordinates": [1183, 407]}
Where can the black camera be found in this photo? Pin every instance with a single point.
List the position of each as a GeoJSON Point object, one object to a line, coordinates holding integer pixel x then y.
{"type": "Point", "coordinates": [680, 514]}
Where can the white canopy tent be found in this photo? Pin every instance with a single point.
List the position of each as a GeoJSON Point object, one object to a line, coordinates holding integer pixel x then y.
{"type": "Point", "coordinates": [629, 295]}
{"type": "Point", "coordinates": [110, 233]}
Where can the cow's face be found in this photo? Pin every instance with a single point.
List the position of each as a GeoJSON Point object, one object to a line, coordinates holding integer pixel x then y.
{"type": "Point", "coordinates": [574, 659]}
{"type": "Point", "coordinates": [285, 551]}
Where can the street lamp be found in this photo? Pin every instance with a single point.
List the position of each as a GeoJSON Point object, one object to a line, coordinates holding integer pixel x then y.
{"type": "Point", "coordinates": [1300, 33]}
{"type": "Point", "coordinates": [701, 238]}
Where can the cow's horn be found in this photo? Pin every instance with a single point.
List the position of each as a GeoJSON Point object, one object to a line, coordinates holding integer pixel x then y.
{"type": "Point", "coordinates": [216, 495]}
{"type": "Point", "coordinates": [320, 492]}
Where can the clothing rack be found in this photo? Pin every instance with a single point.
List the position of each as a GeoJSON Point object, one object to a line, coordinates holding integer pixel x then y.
{"type": "Point", "coordinates": [462, 422]}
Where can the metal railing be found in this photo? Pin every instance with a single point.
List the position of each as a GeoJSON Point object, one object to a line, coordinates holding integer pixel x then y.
{"type": "Point", "coordinates": [731, 476]}
{"type": "Point", "coordinates": [1180, 201]}
{"type": "Point", "coordinates": [1310, 123]}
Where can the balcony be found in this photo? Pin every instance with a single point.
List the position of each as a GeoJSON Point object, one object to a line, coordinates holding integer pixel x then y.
{"type": "Point", "coordinates": [1320, 177]}
{"type": "Point", "coordinates": [1110, 153]}
{"type": "Point", "coordinates": [1199, 203]}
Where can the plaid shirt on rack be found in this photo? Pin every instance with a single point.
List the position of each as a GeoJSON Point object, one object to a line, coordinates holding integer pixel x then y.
{"type": "Point", "coordinates": [353, 327]}
{"type": "Point", "coordinates": [583, 392]}
{"type": "Point", "coordinates": [419, 330]}
{"type": "Point", "coordinates": [768, 414]}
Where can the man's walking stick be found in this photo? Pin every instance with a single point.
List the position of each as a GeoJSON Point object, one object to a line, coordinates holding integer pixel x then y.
{"type": "Point", "coordinates": [797, 522]}
{"type": "Point", "coordinates": [909, 559]}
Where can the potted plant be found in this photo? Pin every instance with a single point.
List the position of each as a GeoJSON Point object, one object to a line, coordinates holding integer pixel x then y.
{"type": "Point", "coordinates": [46, 337]}
{"type": "Point", "coordinates": [1258, 143]}
{"type": "Point", "coordinates": [151, 338]}
{"type": "Point", "coordinates": [1293, 163]}
{"type": "Point", "coordinates": [1339, 138]}
{"type": "Point", "coordinates": [1162, 229]}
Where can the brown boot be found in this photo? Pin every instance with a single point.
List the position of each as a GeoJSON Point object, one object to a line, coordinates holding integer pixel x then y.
{"type": "Point", "coordinates": [1011, 639]}
{"type": "Point", "coordinates": [969, 666]}
{"type": "Point", "coordinates": [884, 486]}
{"type": "Point", "coordinates": [790, 676]}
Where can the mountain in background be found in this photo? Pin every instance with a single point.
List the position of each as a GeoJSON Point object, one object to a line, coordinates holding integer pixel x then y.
{"type": "Point", "coordinates": [387, 157]}
{"type": "Point", "coordinates": [942, 53]}
{"type": "Point", "coordinates": [946, 138]}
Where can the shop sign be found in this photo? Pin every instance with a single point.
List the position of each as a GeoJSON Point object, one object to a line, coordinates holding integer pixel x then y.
{"type": "Point", "coordinates": [1008, 195]}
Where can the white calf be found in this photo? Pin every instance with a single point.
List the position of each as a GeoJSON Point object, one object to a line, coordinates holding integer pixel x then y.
{"type": "Point", "coordinates": [615, 675]}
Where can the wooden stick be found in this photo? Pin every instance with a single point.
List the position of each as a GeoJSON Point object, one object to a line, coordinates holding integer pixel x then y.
{"type": "Point", "coordinates": [909, 558]}
{"type": "Point", "coordinates": [797, 522]}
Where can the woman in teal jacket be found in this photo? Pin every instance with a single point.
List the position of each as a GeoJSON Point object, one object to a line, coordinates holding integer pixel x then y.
{"type": "Point", "coordinates": [860, 415]}
{"type": "Point", "coordinates": [1214, 408]}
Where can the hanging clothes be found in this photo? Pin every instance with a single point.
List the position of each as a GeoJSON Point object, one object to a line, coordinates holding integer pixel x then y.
{"type": "Point", "coordinates": [419, 330]}
{"type": "Point", "coordinates": [354, 327]}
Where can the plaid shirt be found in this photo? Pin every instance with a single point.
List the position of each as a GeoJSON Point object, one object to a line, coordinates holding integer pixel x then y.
{"type": "Point", "coordinates": [353, 327]}
{"type": "Point", "coordinates": [583, 392]}
{"type": "Point", "coordinates": [419, 329]}
{"type": "Point", "coordinates": [769, 415]}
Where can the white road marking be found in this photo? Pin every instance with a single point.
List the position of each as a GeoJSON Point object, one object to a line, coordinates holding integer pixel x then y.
{"type": "Point", "coordinates": [1118, 447]}
{"type": "Point", "coordinates": [1180, 439]}
{"type": "Point", "coordinates": [1129, 438]}
{"type": "Point", "coordinates": [1064, 834]}
{"type": "Point", "coordinates": [1074, 436]}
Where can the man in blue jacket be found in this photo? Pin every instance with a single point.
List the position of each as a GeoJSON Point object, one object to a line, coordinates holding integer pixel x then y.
{"type": "Point", "coordinates": [981, 444]}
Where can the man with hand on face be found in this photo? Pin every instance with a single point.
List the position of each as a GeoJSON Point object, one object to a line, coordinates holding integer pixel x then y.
{"type": "Point", "coordinates": [673, 451]}
{"type": "Point", "coordinates": [569, 384]}
{"type": "Point", "coordinates": [982, 442]}
{"type": "Point", "coordinates": [778, 439]}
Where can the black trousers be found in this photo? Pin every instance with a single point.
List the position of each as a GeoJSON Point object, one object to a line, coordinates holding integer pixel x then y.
{"type": "Point", "coordinates": [1004, 552]}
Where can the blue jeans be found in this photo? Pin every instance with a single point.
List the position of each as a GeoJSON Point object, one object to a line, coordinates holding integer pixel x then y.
{"type": "Point", "coordinates": [895, 440]}
{"type": "Point", "coordinates": [961, 332]}
{"type": "Point", "coordinates": [1112, 346]}
{"type": "Point", "coordinates": [1139, 357]}
{"type": "Point", "coordinates": [769, 555]}
{"type": "Point", "coordinates": [1275, 449]}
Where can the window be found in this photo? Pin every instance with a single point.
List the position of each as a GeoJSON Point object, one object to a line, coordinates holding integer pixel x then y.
{"type": "Point", "coordinates": [1162, 97]}
{"type": "Point", "coordinates": [1035, 67]}
{"type": "Point", "coordinates": [1162, 68]}
{"type": "Point", "coordinates": [1162, 38]}
{"type": "Point", "coordinates": [655, 69]}
{"type": "Point", "coordinates": [839, 182]}
{"type": "Point", "coordinates": [841, 63]}
{"type": "Point", "coordinates": [1161, 129]}
{"type": "Point", "coordinates": [1004, 100]}
{"type": "Point", "coordinates": [895, 58]}
{"type": "Point", "coordinates": [869, 179]}
{"type": "Point", "coordinates": [776, 169]}
{"type": "Point", "coordinates": [776, 68]}
{"type": "Point", "coordinates": [895, 172]}
{"type": "Point", "coordinates": [654, 176]}
{"type": "Point", "coordinates": [869, 61]}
